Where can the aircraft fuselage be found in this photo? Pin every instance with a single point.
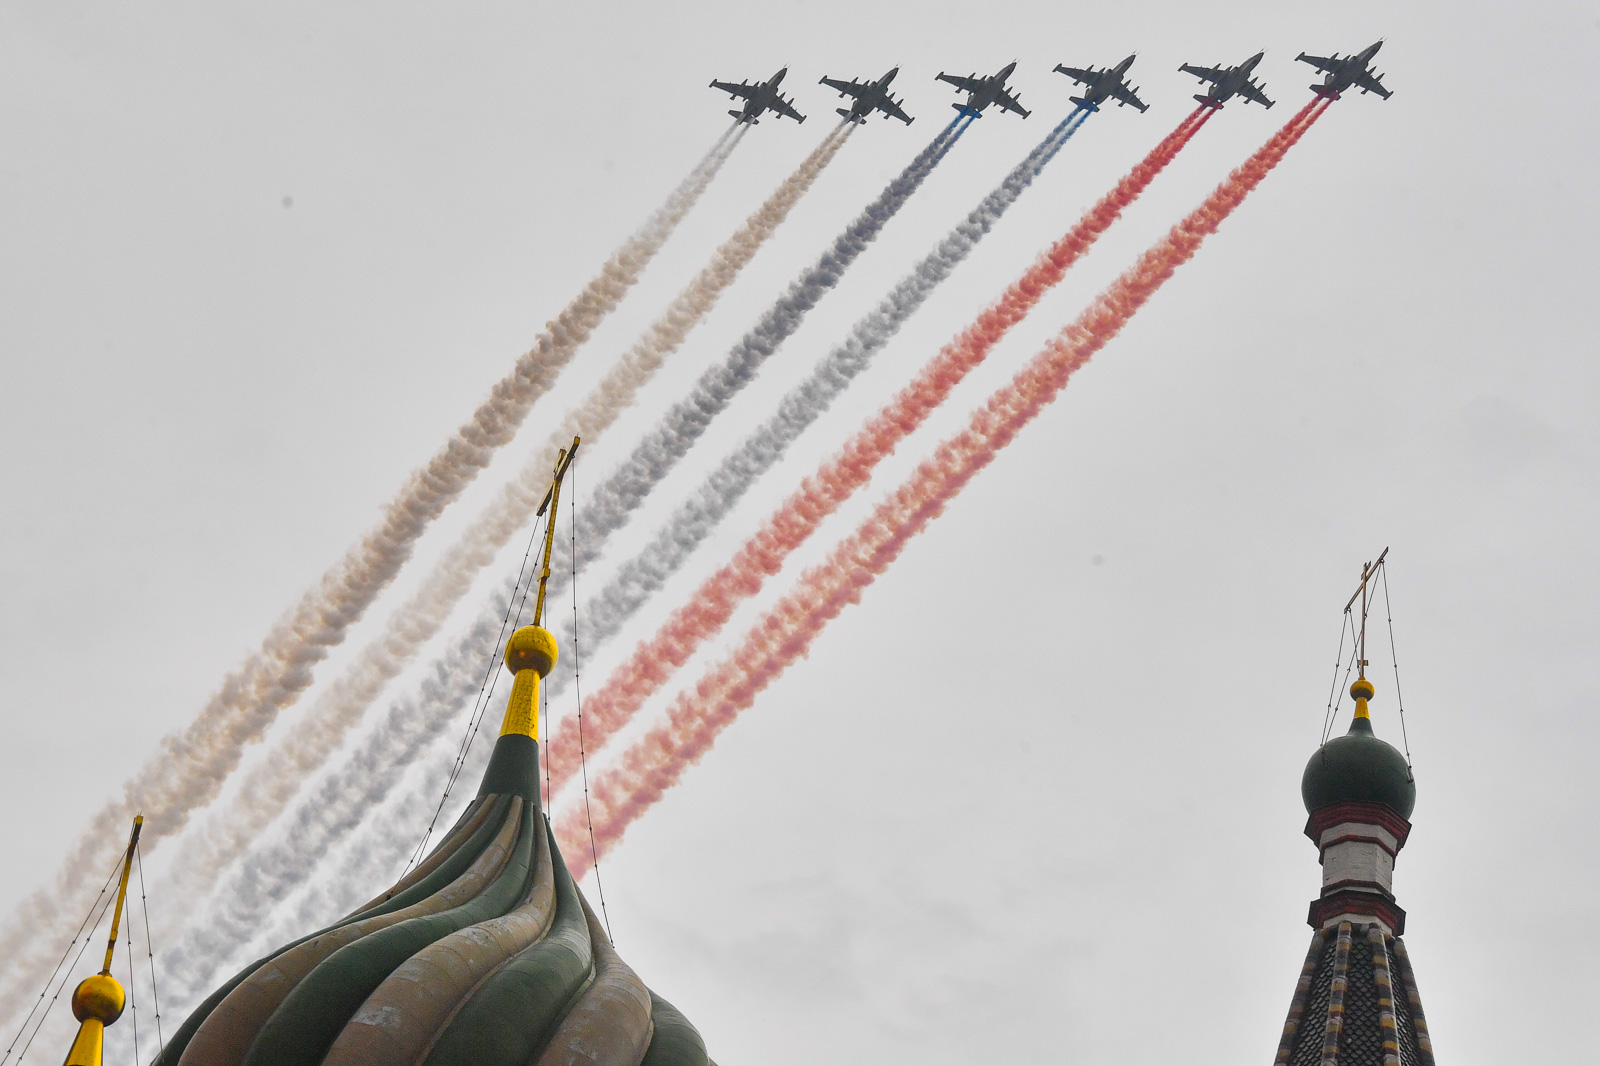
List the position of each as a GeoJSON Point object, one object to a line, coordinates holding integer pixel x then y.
{"type": "Point", "coordinates": [1236, 80]}
{"type": "Point", "coordinates": [1350, 68]}
{"type": "Point", "coordinates": [1104, 87]}
{"type": "Point", "coordinates": [869, 101]}
{"type": "Point", "coordinates": [990, 90]}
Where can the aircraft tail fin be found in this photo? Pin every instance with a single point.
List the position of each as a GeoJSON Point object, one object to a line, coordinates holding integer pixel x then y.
{"type": "Point", "coordinates": [1083, 103]}
{"type": "Point", "coordinates": [1204, 99]}
{"type": "Point", "coordinates": [845, 112]}
{"type": "Point", "coordinates": [740, 115]}
{"type": "Point", "coordinates": [1324, 92]}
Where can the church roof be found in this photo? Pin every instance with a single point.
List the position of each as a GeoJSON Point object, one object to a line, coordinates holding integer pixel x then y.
{"type": "Point", "coordinates": [486, 954]}
{"type": "Point", "coordinates": [1356, 1003]}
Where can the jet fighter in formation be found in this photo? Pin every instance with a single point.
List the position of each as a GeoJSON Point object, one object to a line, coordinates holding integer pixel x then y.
{"type": "Point", "coordinates": [1107, 83]}
{"type": "Point", "coordinates": [981, 92]}
{"type": "Point", "coordinates": [869, 96]}
{"type": "Point", "coordinates": [1354, 71]}
{"type": "Point", "coordinates": [1228, 82]}
{"type": "Point", "coordinates": [1101, 85]}
{"type": "Point", "coordinates": [760, 98]}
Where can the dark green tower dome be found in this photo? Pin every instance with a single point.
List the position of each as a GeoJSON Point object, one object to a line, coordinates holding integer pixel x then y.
{"type": "Point", "coordinates": [1358, 767]}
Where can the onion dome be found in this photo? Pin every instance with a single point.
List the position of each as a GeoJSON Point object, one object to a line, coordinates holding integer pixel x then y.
{"type": "Point", "coordinates": [1356, 1003]}
{"type": "Point", "coordinates": [1358, 767]}
{"type": "Point", "coordinates": [486, 954]}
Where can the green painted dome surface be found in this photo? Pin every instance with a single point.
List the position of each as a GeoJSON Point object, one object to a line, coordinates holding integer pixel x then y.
{"type": "Point", "coordinates": [486, 955]}
{"type": "Point", "coordinates": [1358, 767]}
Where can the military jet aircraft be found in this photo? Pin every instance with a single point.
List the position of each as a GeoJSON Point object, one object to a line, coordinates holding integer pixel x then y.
{"type": "Point", "coordinates": [981, 92]}
{"type": "Point", "coordinates": [760, 98]}
{"type": "Point", "coordinates": [870, 96]}
{"type": "Point", "coordinates": [1104, 84]}
{"type": "Point", "coordinates": [1228, 82]}
{"type": "Point", "coordinates": [1353, 71]}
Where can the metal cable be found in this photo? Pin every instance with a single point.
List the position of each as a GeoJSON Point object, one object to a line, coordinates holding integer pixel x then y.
{"type": "Point", "coordinates": [1394, 661]}
{"type": "Point", "coordinates": [486, 689]}
{"type": "Point", "coordinates": [544, 703]}
{"type": "Point", "coordinates": [59, 963]}
{"type": "Point", "coordinates": [1355, 654]}
{"type": "Point", "coordinates": [155, 995]}
{"type": "Point", "coordinates": [78, 958]}
{"type": "Point", "coordinates": [577, 688]}
{"type": "Point", "coordinates": [1333, 690]}
{"type": "Point", "coordinates": [133, 994]}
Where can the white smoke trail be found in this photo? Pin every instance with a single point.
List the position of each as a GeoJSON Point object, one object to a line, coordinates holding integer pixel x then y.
{"type": "Point", "coordinates": [334, 807]}
{"type": "Point", "coordinates": [456, 675]}
{"type": "Point", "coordinates": [372, 775]}
{"type": "Point", "coordinates": [614, 502]}
{"type": "Point", "coordinates": [192, 764]}
{"type": "Point", "coordinates": [640, 577]}
{"type": "Point", "coordinates": [605, 614]}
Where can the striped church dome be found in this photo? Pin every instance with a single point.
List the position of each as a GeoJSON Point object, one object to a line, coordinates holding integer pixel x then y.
{"type": "Point", "coordinates": [486, 954]}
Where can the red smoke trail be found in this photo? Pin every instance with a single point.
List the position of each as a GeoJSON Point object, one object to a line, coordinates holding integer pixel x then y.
{"type": "Point", "coordinates": [655, 763]}
{"type": "Point", "coordinates": [655, 660]}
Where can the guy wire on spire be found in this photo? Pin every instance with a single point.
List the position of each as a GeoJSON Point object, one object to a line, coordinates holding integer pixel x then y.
{"type": "Point", "coordinates": [98, 1001]}
{"type": "Point", "coordinates": [513, 608]}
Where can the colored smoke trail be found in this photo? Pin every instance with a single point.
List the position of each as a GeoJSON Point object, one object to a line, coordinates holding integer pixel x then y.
{"type": "Point", "coordinates": [657, 761]}
{"type": "Point", "coordinates": [698, 516]}
{"type": "Point", "coordinates": [329, 811]}
{"type": "Point", "coordinates": [615, 500]}
{"type": "Point", "coordinates": [455, 677]}
{"type": "Point", "coordinates": [654, 661]}
{"type": "Point", "coordinates": [192, 764]}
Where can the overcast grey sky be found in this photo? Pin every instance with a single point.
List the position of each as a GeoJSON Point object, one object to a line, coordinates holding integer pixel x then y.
{"type": "Point", "coordinates": [1036, 797]}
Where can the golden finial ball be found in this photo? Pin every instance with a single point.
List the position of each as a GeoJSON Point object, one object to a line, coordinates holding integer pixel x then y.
{"type": "Point", "coordinates": [531, 648]}
{"type": "Point", "coordinates": [1361, 689]}
{"type": "Point", "coordinates": [99, 997]}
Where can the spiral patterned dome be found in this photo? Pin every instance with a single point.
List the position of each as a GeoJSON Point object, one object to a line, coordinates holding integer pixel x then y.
{"type": "Point", "coordinates": [486, 954]}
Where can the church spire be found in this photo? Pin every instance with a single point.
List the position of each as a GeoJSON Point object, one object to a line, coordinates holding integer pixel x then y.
{"type": "Point", "coordinates": [98, 1000]}
{"type": "Point", "coordinates": [484, 954]}
{"type": "Point", "coordinates": [1356, 1003]}
{"type": "Point", "coordinates": [531, 652]}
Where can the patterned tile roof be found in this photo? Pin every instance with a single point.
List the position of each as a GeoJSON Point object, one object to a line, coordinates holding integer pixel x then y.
{"type": "Point", "coordinates": [1355, 1004]}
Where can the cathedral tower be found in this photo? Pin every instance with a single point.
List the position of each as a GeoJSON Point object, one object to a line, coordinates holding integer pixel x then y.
{"type": "Point", "coordinates": [1356, 1003]}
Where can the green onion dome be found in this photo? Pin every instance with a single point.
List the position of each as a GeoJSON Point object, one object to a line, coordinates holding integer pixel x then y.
{"type": "Point", "coordinates": [1358, 767]}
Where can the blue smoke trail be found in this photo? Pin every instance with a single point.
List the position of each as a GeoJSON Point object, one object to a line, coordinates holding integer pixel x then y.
{"type": "Point", "coordinates": [640, 577]}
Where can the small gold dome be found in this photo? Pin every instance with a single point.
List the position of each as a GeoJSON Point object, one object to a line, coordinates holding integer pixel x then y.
{"type": "Point", "coordinates": [531, 648]}
{"type": "Point", "coordinates": [99, 997]}
{"type": "Point", "coordinates": [1361, 689]}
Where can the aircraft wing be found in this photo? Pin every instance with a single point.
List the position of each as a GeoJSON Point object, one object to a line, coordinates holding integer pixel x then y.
{"type": "Point", "coordinates": [1250, 90]}
{"type": "Point", "coordinates": [1082, 77]}
{"type": "Point", "coordinates": [1011, 103]}
{"type": "Point", "coordinates": [1211, 74]}
{"type": "Point", "coordinates": [970, 84]}
{"type": "Point", "coordinates": [744, 89]}
{"type": "Point", "coordinates": [892, 108]}
{"type": "Point", "coordinates": [1372, 84]}
{"type": "Point", "coordinates": [846, 88]}
{"type": "Point", "coordinates": [785, 107]}
{"type": "Point", "coordinates": [1323, 63]}
{"type": "Point", "coordinates": [1128, 96]}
